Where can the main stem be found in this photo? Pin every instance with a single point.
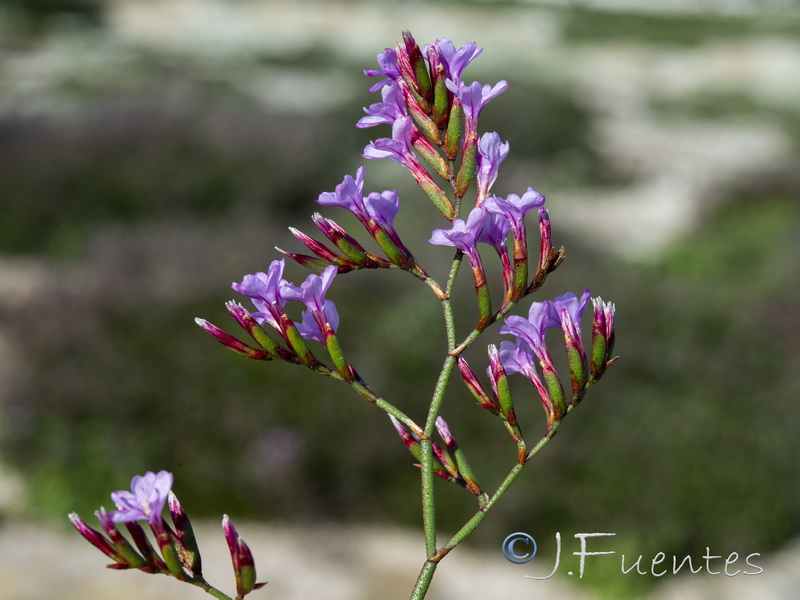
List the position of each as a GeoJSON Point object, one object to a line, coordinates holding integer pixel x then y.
{"type": "Point", "coordinates": [426, 452]}
{"type": "Point", "coordinates": [429, 567]}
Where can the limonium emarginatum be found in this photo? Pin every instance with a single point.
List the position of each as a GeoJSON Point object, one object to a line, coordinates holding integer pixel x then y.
{"type": "Point", "coordinates": [428, 121]}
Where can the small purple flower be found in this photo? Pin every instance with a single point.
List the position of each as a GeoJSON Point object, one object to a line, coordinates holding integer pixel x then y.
{"type": "Point", "coordinates": [398, 148]}
{"type": "Point", "coordinates": [491, 152]}
{"type": "Point", "coordinates": [387, 112]}
{"type": "Point", "coordinates": [494, 232]}
{"type": "Point", "coordinates": [312, 291]}
{"type": "Point", "coordinates": [517, 357]}
{"type": "Point", "coordinates": [514, 207]}
{"type": "Point", "coordinates": [145, 500]}
{"type": "Point", "coordinates": [310, 328]}
{"type": "Point", "coordinates": [382, 208]}
{"type": "Point", "coordinates": [389, 68]}
{"type": "Point", "coordinates": [264, 290]}
{"type": "Point", "coordinates": [455, 61]}
{"type": "Point", "coordinates": [532, 329]}
{"type": "Point", "coordinates": [474, 98]}
{"type": "Point", "coordinates": [463, 235]}
{"type": "Point", "coordinates": [568, 310]}
{"type": "Point", "coordinates": [378, 208]}
{"type": "Point", "coordinates": [349, 194]}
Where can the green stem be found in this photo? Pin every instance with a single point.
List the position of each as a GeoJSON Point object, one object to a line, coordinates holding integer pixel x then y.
{"type": "Point", "coordinates": [424, 580]}
{"type": "Point", "coordinates": [209, 589]}
{"type": "Point", "coordinates": [426, 451]}
{"type": "Point", "coordinates": [426, 574]}
{"type": "Point", "coordinates": [366, 392]}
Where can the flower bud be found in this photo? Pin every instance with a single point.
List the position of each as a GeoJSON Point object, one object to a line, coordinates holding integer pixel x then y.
{"type": "Point", "coordinates": [121, 545]}
{"type": "Point", "coordinates": [244, 568]}
{"type": "Point", "coordinates": [499, 381]}
{"type": "Point", "coordinates": [169, 546]}
{"type": "Point", "coordinates": [455, 130]}
{"type": "Point", "coordinates": [347, 244]}
{"type": "Point", "coordinates": [431, 155]}
{"type": "Point", "coordinates": [413, 67]}
{"type": "Point", "coordinates": [546, 245]}
{"type": "Point", "coordinates": [251, 326]}
{"type": "Point", "coordinates": [409, 439]}
{"type": "Point", "coordinates": [231, 342]}
{"type": "Point", "coordinates": [435, 193]}
{"type": "Point", "coordinates": [323, 251]}
{"type": "Point", "coordinates": [463, 468]}
{"type": "Point", "coordinates": [440, 93]}
{"type": "Point", "coordinates": [139, 538]}
{"type": "Point", "coordinates": [185, 535]}
{"type": "Point", "coordinates": [469, 162]}
{"type": "Point", "coordinates": [602, 337]}
{"type": "Point", "coordinates": [312, 262]}
{"type": "Point", "coordinates": [576, 357]}
{"type": "Point", "coordinates": [96, 539]}
{"type": "Point", "coordinates": [419, 116]}
{"type": "Point", "coordinates": [478, 391]}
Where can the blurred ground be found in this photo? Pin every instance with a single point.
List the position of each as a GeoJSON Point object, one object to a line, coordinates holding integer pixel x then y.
{"type": "Point", "coordinates": [334, 563]}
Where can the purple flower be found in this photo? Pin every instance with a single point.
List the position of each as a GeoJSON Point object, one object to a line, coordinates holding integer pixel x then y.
{"type": "Point", "coordinates": [494, 232]}
{"type": "Point", "coordinates": [491, 152]}
{"type": "Point", "coordinates": [349, 194]}
{"type": "Point", "coordinates": [514, 207]}
{"type": "Point", "coordinates": [398, 148]}
{"type": "Point", "coordinates": [474, 98]}
{"type": "Point", "coordinates": [389, 68]}
{"type": "Point", "coordinates": [568, 310]}
{"type": "Point", "coordinates": [312, 291]}
{"type": "Point", "coordinates": [310, 328]}
{"type": "Point", "coordinates": [517, 357]}
{"type": "Point", "coordinates": [264, 290]}
{"type": "Point", "coordinates": [382, 208]}
{"type": "Point", "coordinates": [463, 235]}
{"type": "Point", "coordinates": [145, 500]}
{"type": "Point", "coordinates": [532, 329]}
{"type": "Point", "coordinates": [455, 61]}
{"type": "Point", "coordinates": [387, 112]}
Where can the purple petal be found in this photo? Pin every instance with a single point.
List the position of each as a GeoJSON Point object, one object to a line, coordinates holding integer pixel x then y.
{"type": "Point", "coordinates": [455, 61]}
{"type": "Point", "coordinates": [494, 231]}
{"type": "Point", "coordinates": [383, 207]}
{"type": "Point", "coordinates": [348, 194]}
{"type": "Point", "coordinates": [491, 152]}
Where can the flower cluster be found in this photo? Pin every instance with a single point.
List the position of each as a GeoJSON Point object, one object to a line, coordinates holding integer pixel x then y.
{"type": "Point", "coordinates": [178, 555]}
{"type": "Point", "coordinates": [529, 348]}
{"type": "Point", "coordinates": [434, 119]}
{"type": "Point", "coordinates": [269, 293]}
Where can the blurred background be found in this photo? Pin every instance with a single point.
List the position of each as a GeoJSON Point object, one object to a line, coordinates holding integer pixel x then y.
{"type": "Point", "coordinates": [153, 151]}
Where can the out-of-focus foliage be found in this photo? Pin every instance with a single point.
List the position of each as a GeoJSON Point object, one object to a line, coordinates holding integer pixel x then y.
{"type": "Point", "coordinates": [690, 441]}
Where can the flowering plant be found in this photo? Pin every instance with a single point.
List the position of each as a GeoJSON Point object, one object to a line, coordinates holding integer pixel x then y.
{"type": "Point", "coordinates": [434, 119]}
